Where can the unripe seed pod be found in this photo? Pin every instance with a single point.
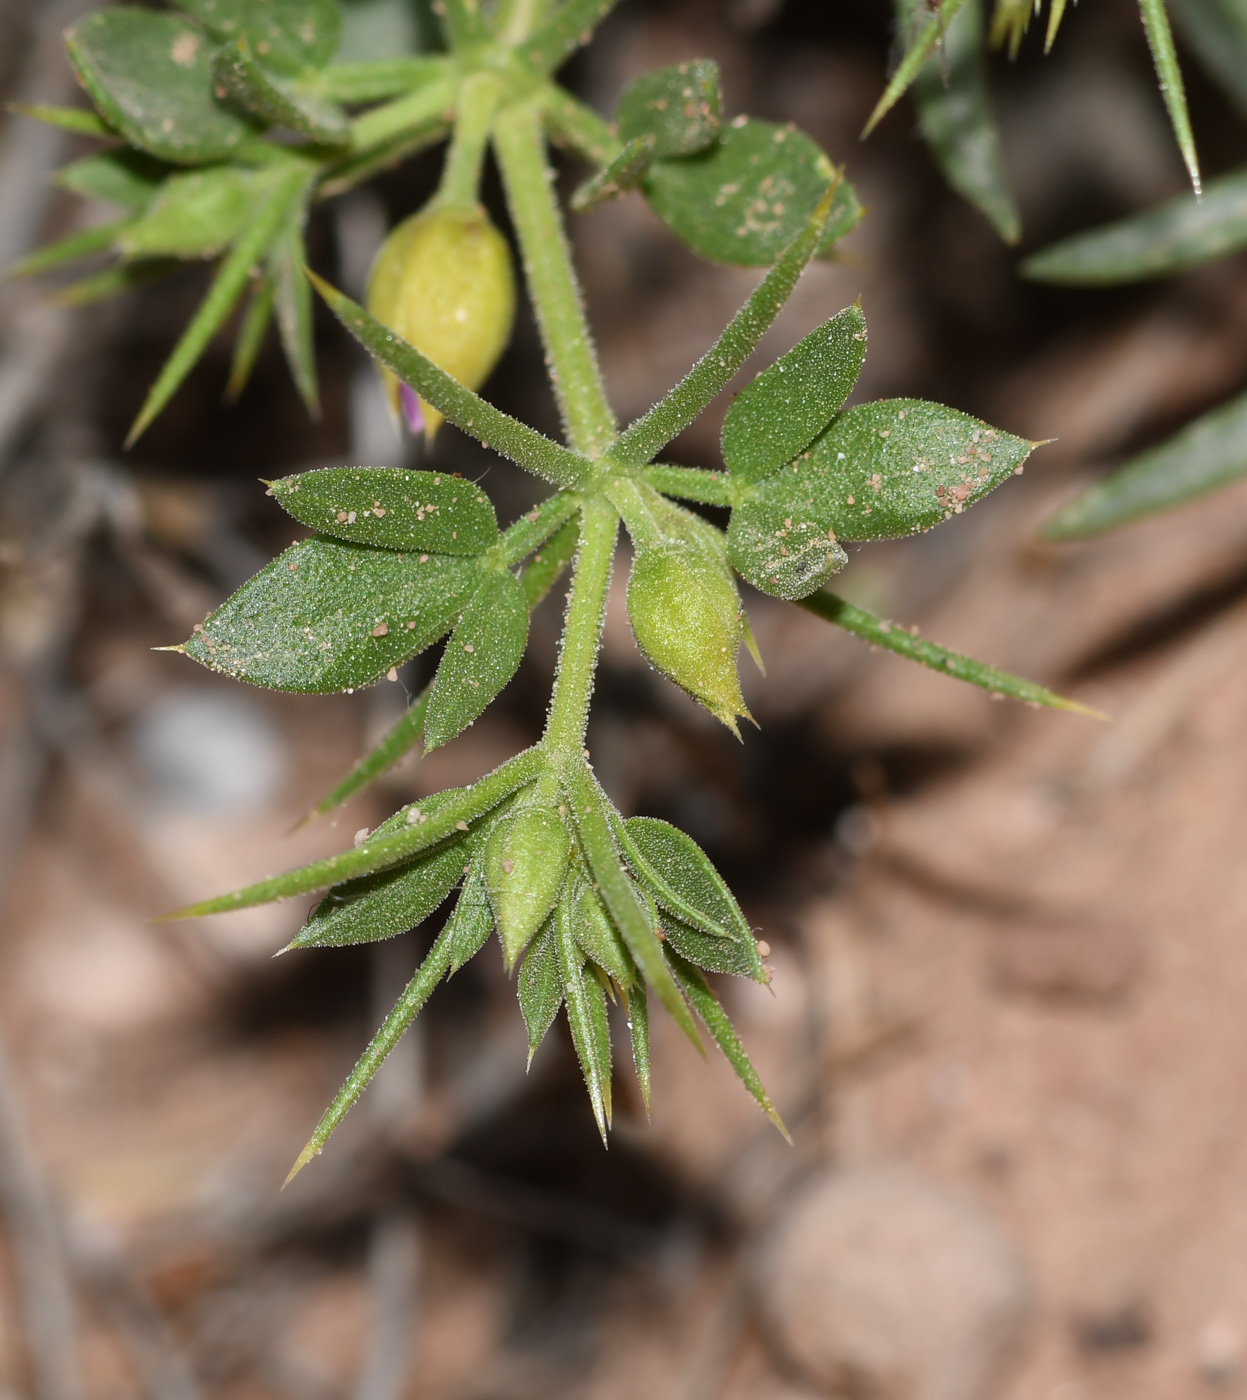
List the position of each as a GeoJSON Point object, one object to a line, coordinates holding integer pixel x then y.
{"type": "Point", "coordinates": [686, 618]}
{"type": "Point", "coordinates": [525, 864]}
{"type": "Point", "coordinates": [444, 281]}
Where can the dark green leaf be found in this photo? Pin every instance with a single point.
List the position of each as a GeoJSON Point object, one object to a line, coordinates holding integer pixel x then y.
{"type": "Point", "coordinates": [150, 75]}
{"type": "Point", "coordinates": [584, 1017]}
{"type": "Point", "coordinates": [124, 177]}
{"type": "Point", "coordinates": [625, 172]}
{"type": "Point", "coordinates": [1180, 234]}
{"type": "Point", "coordinates": [715, 1019]}
{"type": "Point", "coordinates": [788, 405]}
{"type": "Point", "coordinates": [540, 987]}
{"type": "Point", "coordinates": [293, 299]}
{"type": "Point", "coordinates": [395, 900]}
{"type": "Point", "coordinates": [287, 35]}
{"type": "Point", "coordinates": [707, 924]}
{"type": "Point", "coordinates": [599, 938]}
{"type": "Point", "coordinates": [1207, 454]}
{"type": "Point", "coordinates": [638, 1028]}
{"type": "Point", "coordinates": [879, 471]}
{"type": "Point", "coordinates": [481, 656]}
{"type": "Point", "coordinates": [1169, 76]}
{"type": "Point", "coordinates": [328, 616]}
{"type": "Point", "coordinates": [954, 112]}
{"type": "Point", "coordinates": [1217, 31]}
{"type": "Point", "coordinates": [680, 107]}
{"type": "Point", "coordinates": [891, 636]}
{"type": "Point", "coordinates": [921, 44]}
{"type": "Point", "coordinates": [746, 197]}
{"type": "Point", "coordinates": [269, 101]}
{"type": "Point", "coordinates": [250, 338]}
{"type": "Point", "coordinates": [473, 919]}
{"type": "Point", "coordinates": [197, 214]}
{"type": "Point", "coordinates": [460, 406]}
{"type": "Point", "coordinates": [393, 508]}
{"type": "Point", "coordinates": [430, 973]}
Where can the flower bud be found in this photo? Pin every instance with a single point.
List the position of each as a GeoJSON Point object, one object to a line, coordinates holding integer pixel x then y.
{"type": "Point", "coordinates": [443, 280]}
{"type": "Point", "coordinates": [525, 864]}
{"type": "Point", "coordinates": [686, 618]}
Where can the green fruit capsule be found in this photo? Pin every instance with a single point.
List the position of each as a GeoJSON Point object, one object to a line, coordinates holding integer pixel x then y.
{"type": "Point", "coordinates": [686, 618]}
{"type": "Point", "coordinates": [525, 865]}
{"type": "Point", "coordinates": [444, 281]}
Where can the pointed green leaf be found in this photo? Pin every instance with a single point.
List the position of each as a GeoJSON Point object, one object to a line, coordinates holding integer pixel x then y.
{"type": "Point", "coordinates": [460, 406]}
{"type": "Point", "coordinates": [250, 339]}
{"type": "Point", "coordinates": [287, 35]}
{"type": "Point", "coordinates": [1169, 76]}
{"type": "Point", "coordinates": [625, 172]}
{"type": "Point", "coordinates": [392, 508]}
{"type": "Point", "coordinates": [1204, 456]}
{"type": "Point", "coordinates": [326, 616]}
{"type": "Point", "coordinates": [707, 925]}
{"type": "Point", "coordinates": [430, 973]}
{"type": "Point", "coordinates": [126, 177]}
{"type": "Point", "coordinates": [482, 655]}
{"type": "Point", "coordinates": [598, 937]}
{"type": "Point", "coordinates": [269, 101]}
{"type": "Point", "coordinates": [123, 277]}
{"type": "Point", "coordinates": [891, 636]}
{"type": "Point", "coordinates": [743, 199]}
{"type": "Point", "coordinates": [525, 867]}
{"type": "Point", "coordinates": [395, 900]}
{"type": "Point", "coordinates": [570, 27]}
{"type": "Point", "coordinates": [150, 75]}
{"type": "Point", "coordinates": [638, 1028]}
{"type": "Point", "coordinates": [680, 107]}
{"type": "Point", "coordinates": [75, 119]}
{"type": "Point", "coordinates": [540, 986]}
{"type": "Point", "coordinates": [716, 368]}
{"type": "Point", "coordinates": [293, 300]}
{"type": "Point", "coordinates": [1217, 31]}
{"type": "Point", "coordinates": [66, 250]}
{"type": "Point", "coordinates": [880, 471]}
{"type": "Point", "coordinates": [1056, 13]}
{"type": "Point", "coordinates": [1181, 233]}
{"type": "Point", "coordinates": [922, 43]}
{"type": "Point", "coordinates": [715, 1019]}
{"type": "Point", "coordinates": [788, 405]}
{"type": "Point", "coordinates": [954, 112]}
{"type": "Point", "coordinates": [548, 564]}
{"type": "Point", "coordinates": [472, 921]}
{"type": "Point", "coordinates": [197, 214]}
{"type": "Point", "coordinates": [584, 1018]}
{"type": "Point", "coordinates": [381, 852]}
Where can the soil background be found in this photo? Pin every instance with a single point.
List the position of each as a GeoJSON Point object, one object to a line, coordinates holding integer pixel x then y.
{"type": "Point", "coordinates": [1007, 1022]}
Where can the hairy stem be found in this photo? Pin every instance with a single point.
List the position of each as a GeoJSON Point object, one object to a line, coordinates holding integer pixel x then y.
{"type": "Point", "coordinates": [461, 174]}
{"type": "Point", "coordinates": [516, 19]}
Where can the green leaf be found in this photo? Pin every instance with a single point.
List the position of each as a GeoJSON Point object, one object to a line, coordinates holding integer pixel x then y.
{"type": "Point", "coordinates": [585, 1018]}
{"type": "Point", "coordinates": [638, 1028]}
{"type": "Point", "coordinates": [1204, 456]}
{"type": "Point", "coordinates": [1056, 13]}
{"type": "Point", "coordinates": [679, 106]}
{"type": "Point", "coordinates": [483, 653]}
{"type": "Point", "coordinates": [197, 214]}
{"type": "Point", "coordinates": [954, 112]}
{"type": "Point", "coordinates": [472, 921]}
{"type": "Point", "coordinates": [395, 900]}
{"type": "Point", "coordinates": [1169, 75]}
{"type": "Point", "coordinates": [570, 27]}
{"type": "Point", "coordinates": [549, 563]}
{"type": "Point", "coordinates": [150, 75]}
{"type": "Point", "coordinates": [922, 44]}
{"type": "Point", "coordinates": [250, 338]}
{"type": "Point", "coordinates": [222, 296]}
{"type": "Point", "coordinates": [430, 973]}
{"type": "Point", "coordinates": [65, 250]}
{"type": "Point", "coordinates": [625, 172]}
{"type": "Point", "coordinates": [1217, 31]}
{"type": "Point", "coordinates": [880, 471]}
{"type": "Point", "coordinates": [380, 852]}
{"type": "Point", "coordinates": [75, 119]}
{"type": "Point", "coordinates": [326, 616]}
{"type": "Point", "coordinates": [891, 636]}
{"type": "Point", "coordinates": [745, 198]}
{"type": "Point", "coordinates": [788, 405]}
{"type": "Point", "coordinates": [708, 926]}
{"type": "Point", "coordinates": [715, 1019]}
{"type": "Point", "coordinates": [460, 406]}
{"type": "Point", "coordinates": [123, 277]}
{"type": "Point", "coordinates": [287, 35]}
{"type": "Point", "coordinates": [393, 508]}
{"type": "Point", "coordinates": [716, 368]}
{"type": "Point", "coordinates": [598, 937]}
{"type": "Point", "coordinates": [293, 299]}
{"type": "Point", "coordinates": [1179, 234]}
{"type": "Point", "coordinates": [540, 986]}
{"type": "Point", "coordinates": [269, 101]}
{"type": "Point", "coordinates": [525, 867]}
{"type": "Point", "coordinates": [126, 177]}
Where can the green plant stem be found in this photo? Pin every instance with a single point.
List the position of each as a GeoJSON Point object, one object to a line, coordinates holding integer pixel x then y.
{"type": "Point", "coordinates": [515, 20]}
{"type": "Point", "coordinates": [555, 291]}
{"type": "Point", "coordinates": [586, 607]}
{"type": "Point", "coordinates": [577, 127]}
{"type": "Point", "coordinates": [461, 174]}
{"type": "Point", "coordinates": [463, 22]}
{"type": "Point", "coordinates": [425, 105]}
{"type": "Point", "coordinates": [690, 484]}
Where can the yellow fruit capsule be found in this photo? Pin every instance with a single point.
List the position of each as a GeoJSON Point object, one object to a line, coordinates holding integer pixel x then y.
{"type": "Point", "coordinates": [444, 281]}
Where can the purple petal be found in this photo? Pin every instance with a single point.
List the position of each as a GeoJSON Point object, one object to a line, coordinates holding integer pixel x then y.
{"type": "Point", "coordinates": [412, 411]}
